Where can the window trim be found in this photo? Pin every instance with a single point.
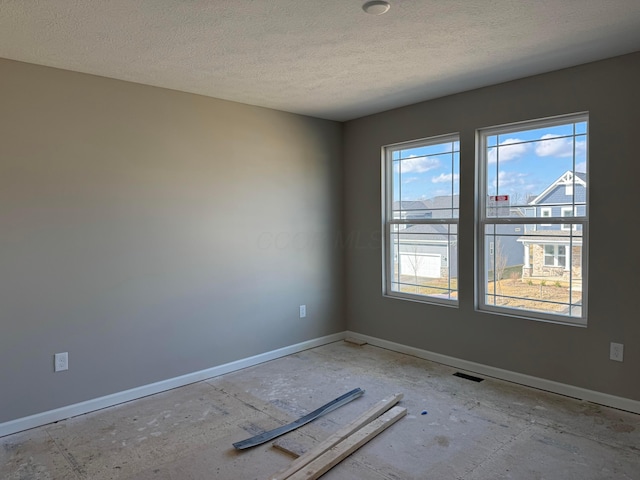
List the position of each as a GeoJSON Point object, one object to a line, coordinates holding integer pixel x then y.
{"type": "Point", "coordinates": [573, 212]}
{"type": "Point", "coordinates": [388, 220]}
{"type": "Point", "coordinates": [481, 221]}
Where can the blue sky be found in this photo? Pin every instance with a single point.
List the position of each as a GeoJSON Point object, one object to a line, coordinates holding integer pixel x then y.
{"type": "Point", "coordinates": [427, 172]}
{"type": "Point", "coordinates": [520, 163]}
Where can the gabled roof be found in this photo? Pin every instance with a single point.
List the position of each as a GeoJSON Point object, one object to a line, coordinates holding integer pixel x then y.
{"type": "Point", "coordinates": [443, 201]}
{"type": "Point", "coordinates": [552, 236]}
{"type": "Point", "coordinates": [409, 205]}
{"type": "Point", "coordinates": [567, 178]}
{"type": "Point", "coordinates": [434, 233]}
{"type": "Point", "coordinates": [439, 202]}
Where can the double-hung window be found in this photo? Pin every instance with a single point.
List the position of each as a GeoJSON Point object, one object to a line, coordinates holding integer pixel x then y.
{"type": "Point", "coordinates": [555, 255]}
{"type": "Point", "coordinates": [420, 209]}
{"type": "Point", "coordinates": [532, 219]}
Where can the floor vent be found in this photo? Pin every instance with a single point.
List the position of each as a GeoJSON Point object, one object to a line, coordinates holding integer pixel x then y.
{"type": "Point", "coordinates": [468, 377]}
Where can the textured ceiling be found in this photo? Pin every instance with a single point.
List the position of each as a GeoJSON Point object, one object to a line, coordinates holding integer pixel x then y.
{"type": "Point", "coordinates": [324, 58]}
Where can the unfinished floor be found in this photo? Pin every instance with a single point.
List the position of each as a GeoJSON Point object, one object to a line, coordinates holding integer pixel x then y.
{"type": "Point", "coordinates": [487, 430]}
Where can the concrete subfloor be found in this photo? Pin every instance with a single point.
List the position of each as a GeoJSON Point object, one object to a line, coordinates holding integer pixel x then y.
{"type": "Point", "coordinates": [487, 430]}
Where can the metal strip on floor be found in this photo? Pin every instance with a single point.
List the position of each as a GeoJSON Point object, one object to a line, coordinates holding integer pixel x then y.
{"type": "Point", "coordinates": [276, 432]}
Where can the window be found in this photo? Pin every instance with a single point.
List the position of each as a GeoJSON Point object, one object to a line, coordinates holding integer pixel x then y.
{"type": "Point", "coordinates": [568, 212]}
{"type": "Point", "coordinates": [421, 192]}
{"type": "Point", "coordinates": [534, 170]}
{"type": "Point", "coordinates": [555, 255]}
{"type": "Point", "coordinates": [544, 213]}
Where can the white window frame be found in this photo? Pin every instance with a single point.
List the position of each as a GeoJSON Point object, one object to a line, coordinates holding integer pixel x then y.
{"type": "Point", "coordinates": [483, 221]}
{"type": "Point", "coordinates": [389, 223]}
{"type": "Point", "coordinates": [543, 211]}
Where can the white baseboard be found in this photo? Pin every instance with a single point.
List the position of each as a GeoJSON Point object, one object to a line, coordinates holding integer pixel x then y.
{"type": "Point", "coordinates": [62, 413]}
{"type": "Point", "coordinates": [520, 378]}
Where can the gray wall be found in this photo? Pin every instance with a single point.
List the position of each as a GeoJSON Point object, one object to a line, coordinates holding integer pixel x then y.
{"type": "Point", "coordinates": [152, 233]}
{"type": "Point", "coordinates": [571, 355]}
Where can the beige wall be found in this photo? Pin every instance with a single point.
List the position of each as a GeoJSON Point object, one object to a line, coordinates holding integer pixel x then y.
{"type": "Point", "coordinates": [152, 233]}
{"type": "Point", "coordinates": [608, 90]}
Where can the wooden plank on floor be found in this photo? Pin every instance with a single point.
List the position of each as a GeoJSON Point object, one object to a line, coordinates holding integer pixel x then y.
{"type": "Point", "coordinates": [367, 417]}
{"type": "Point", "coordinates": [342, 450]}
{"type": "Point", "coordinates": [290, 447]}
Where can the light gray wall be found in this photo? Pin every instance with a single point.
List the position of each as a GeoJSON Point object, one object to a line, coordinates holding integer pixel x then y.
{"type": "Point", "coordinates": [609, 90]}
{"type": "Point", "coordinates": [152, 233]}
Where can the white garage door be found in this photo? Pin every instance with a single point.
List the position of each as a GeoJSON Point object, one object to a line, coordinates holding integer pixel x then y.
{"type": "Point", "coordinates": [421, 265]}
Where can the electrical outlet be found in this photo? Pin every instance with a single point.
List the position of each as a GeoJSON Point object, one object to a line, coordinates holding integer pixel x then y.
{"type": "Point", "coordinates": [616, 351]}
{"type": "Point", "coordinates": [61, 362]}
{"type": "Point", "coordinates": [303, 311]}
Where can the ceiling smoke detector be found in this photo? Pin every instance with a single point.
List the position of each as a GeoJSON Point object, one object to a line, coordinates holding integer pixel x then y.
{"type": "Point", "coordinates": [376, 7]}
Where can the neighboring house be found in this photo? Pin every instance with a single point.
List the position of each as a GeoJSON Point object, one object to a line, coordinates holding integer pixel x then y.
{"type": "Point", "coordinates": [505, 248]}
{"type": "Point", "coordinates": [556, 250]}
{"type": "Point", "coordinates": [426, 250]}
{"type": "Point", "coordinates": [412, 209]}
{"type": "Point", "coordinates": [431, 251]}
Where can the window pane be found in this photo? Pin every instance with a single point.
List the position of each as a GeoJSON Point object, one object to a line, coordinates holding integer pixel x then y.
{"type": "Point", "coordinates": [435, 176]}
{"type": "Point", "coordinates": [581, 127]}
{"type": "Point", "coordinates": [549, 255]}
{"type": "Point", "coordinates": [531, 277]}
{"type": "Point", "coordinates": [543, 166]}
{"type": "Point", "coordinates": [561, 256]}
{"type": "Point", "coordinates": [425, 260]}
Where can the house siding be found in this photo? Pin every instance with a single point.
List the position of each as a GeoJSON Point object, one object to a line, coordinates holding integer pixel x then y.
{"type": "Point", "coordinates": [558, 195]}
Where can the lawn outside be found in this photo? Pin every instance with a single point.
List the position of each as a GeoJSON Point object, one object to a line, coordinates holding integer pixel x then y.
{"type": "Point", "coordinates": [429, 286]}
{"type": "Point", "coordinates": [538, 294]}
{"type": "Point", "coordinates": [532, 294]}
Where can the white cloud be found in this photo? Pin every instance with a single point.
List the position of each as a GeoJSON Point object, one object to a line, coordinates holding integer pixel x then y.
{"type": "Point", "coordinates": [517, 185]}
{"type": "Point", "coordinates": [581, 167]}
{"type": "Point", "coordinates": [510, 179]}
{"type": "Point", "coordinates": [509, 149]}
{"type": "Point", "coordinates": [419, 164]}
{"type": "Point", "coordinates": [552, 146]}
{"type": "Point", "coordinates": [445, 177]}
